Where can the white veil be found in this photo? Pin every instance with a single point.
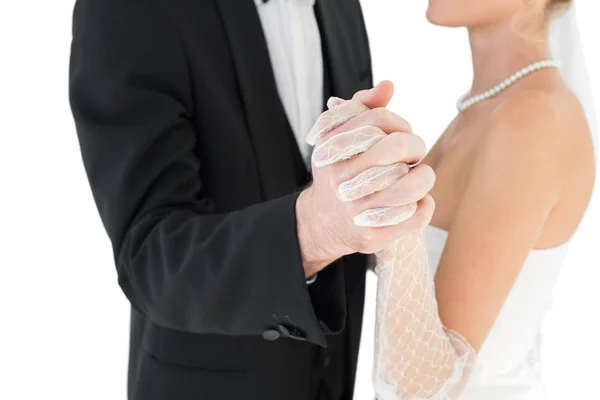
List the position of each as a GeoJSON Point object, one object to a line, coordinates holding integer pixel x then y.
{"type": "Point", "coordinates": [566, 46]}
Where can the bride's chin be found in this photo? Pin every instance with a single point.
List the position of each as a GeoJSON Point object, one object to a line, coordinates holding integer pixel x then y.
{"type": "Point", "coordinates": [433, 17]}
{"type": "Point", "coordinates": [443, 22]}
{"type": "Point", "coordinates": [437, 16]}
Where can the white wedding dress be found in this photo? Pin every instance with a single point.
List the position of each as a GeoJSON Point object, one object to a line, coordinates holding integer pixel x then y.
{"type": "Point", "coordinates": [508, 364]}
{"type": "Point", "coordinates": [416, 357]}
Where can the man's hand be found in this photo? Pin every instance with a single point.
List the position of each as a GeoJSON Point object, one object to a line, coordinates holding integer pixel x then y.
{"type": "Point", "coordinates": [364, 196]}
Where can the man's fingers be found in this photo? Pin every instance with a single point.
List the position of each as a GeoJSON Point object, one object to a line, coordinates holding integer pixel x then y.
{"type": "Point", "coordinates": [420, 219]}
{"type": "Point", "coordinates": [371, 181]}
{"type": "Point", "coordinates": [346, 145]}
{"type": "Point", "coordinates": [395, 148]}
{"type": "Point", "coordinates": [379, 96]}
{"type": "Point", "coordinates": [388, 216]}
{"type": "Point", "coordinates": [407, 190]}
{"type": "Point", "coordinates": [388, 232]}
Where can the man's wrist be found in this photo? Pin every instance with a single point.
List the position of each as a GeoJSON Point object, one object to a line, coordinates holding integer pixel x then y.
{"type": "Point", "coordinates": [314, 256]}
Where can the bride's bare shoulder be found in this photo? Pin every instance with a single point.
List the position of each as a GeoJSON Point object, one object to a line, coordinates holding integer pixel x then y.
{"type": "Point", "coordinates": [549, 119]}
{"type": "Point", "coordinates": [545, 133]}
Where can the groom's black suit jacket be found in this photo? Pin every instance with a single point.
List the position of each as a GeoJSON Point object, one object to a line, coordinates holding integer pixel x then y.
{"type": "Point", "coordinates": [195, 172]}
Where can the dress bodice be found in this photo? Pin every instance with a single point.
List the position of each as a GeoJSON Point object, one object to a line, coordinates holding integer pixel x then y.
{"type": "Point", "coordinates": [508, 366]}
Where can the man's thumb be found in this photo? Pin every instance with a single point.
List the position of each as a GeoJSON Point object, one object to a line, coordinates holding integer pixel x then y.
{"type": "Point", "coordinates": [379, 96]}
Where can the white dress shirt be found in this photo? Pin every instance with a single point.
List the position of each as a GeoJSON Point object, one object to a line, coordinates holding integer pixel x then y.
{"type": "Point", "coordinates": [294, 44]}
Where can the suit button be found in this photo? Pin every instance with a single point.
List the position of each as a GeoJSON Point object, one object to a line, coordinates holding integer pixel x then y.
{"type": "Point", "coordinates": [285, 331]}
{"type": "Point", "coordinates": [271, 335]}
{"type": "Point", "coordinates": [291, 332]}
{"type": "Point", "coordinates": [326, 361]}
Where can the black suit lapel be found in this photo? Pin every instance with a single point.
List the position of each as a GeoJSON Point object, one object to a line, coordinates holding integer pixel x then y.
{"type": "Point", "coordinates": [342, 79]}
{"type": "Point", "coordinates": [278, 157]}
{"type": "Point", "coordinates": [337, 49]}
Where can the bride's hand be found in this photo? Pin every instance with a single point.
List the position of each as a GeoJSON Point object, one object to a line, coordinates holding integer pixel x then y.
{"type": "Point", "coordinates": [360, 168]}
{"type": "Point", "coordinates": [372, 161]}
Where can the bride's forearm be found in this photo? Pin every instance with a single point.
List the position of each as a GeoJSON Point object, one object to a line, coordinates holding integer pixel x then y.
{"type": "Point", "coordinates": [416, 357]}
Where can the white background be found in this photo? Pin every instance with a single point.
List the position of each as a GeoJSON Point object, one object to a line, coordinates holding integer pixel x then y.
{"type": "Point", "coordinates": [63, 319]}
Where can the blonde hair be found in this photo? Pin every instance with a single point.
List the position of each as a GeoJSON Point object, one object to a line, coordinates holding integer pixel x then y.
{"type": "Point", "coordinates": [552, 9]}
{"type": "Point", "coordinates": [559, 4]}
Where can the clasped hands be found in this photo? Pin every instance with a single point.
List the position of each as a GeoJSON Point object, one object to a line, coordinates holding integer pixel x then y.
{"type": "Point", "coordinates": [364, 195]}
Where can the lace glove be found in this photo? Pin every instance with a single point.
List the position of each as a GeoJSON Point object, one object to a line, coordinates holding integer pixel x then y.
{"type": "Point", "coordinates": [416, 357]}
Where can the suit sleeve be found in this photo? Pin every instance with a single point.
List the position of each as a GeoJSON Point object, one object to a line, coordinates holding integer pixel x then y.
{"type": "Point", "coordinates": [180, 265]}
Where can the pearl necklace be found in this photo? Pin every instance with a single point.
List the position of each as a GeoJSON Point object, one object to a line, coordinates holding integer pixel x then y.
{"type": "Point", "coordinates": [463, 103]}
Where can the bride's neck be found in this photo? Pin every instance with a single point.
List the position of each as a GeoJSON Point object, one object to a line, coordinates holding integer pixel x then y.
{"type": "Point", "coordinates": [498, 52]}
